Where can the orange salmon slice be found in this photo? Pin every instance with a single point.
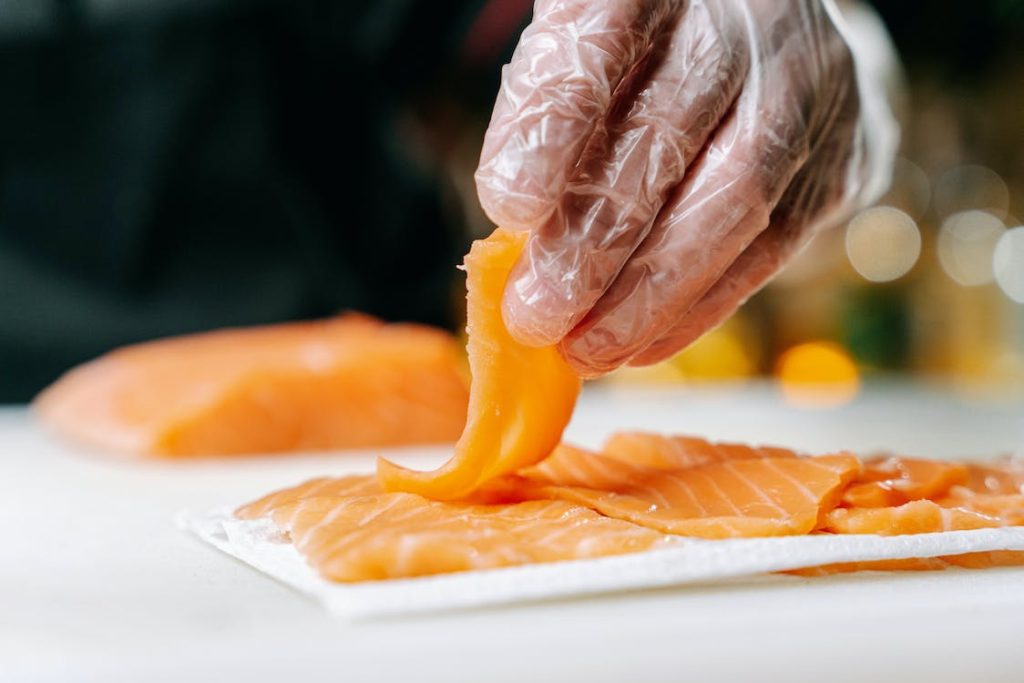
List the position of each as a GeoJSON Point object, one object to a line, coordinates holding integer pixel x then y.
{"type": "Point", "coordinates": [334, 487]}
{"type": "Point", "coordinates": [348, 382]}
{"type": "Point", "coordinates": [676, 452]}
{"type": "Point", "coordinates": [915, 517]}
{"type": "Point", "coordinates": [891, 481]}
{"type": "Point", "coordinates": [521, 397]}
{"type": "Point", "coordinates": [402, 535]}
{"type": "Point", "coordinates": [727, 499]}
{"type": "Point", "coordinates": [982, 560]}
{"type": "Point", "coordinates": [1003, 476]}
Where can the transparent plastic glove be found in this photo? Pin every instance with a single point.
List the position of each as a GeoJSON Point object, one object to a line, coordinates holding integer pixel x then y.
{"type": "Point", "coordinates": [669, 157]}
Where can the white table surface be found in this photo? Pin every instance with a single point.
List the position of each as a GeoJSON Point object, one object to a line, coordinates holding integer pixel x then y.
{"type": "Point", "coordinates": [97, 583]}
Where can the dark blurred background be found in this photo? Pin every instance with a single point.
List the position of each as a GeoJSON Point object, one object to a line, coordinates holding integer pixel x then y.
{"type": "Point", "coordinates": [168, 166]}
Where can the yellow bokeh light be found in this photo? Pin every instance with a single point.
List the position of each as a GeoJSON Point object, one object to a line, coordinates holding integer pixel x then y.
{"type": "Point", "coordinates": [883, 243]}
{"type": "Point", "coordinates": [718, 355]}
{"type": "Point", "coordinates": [723, 354]}
{"type": "Point", "coordinates": [817, 375]}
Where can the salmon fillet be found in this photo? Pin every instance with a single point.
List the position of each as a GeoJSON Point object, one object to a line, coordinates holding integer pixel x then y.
{"type": "Point", "coordinates": [347, 382]}
{"type": "Point", "coordinates": [676, 452]}
{"type": "Point", "coordinates": [402, 535]}
{"type": "Point", "coordinates": [521, 397]}
{"type": "Point", "coordinates": [725, 499]}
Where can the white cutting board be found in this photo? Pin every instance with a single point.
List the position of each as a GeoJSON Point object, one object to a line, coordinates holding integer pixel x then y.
{"type": "Point", "coordinates": [97, 584]}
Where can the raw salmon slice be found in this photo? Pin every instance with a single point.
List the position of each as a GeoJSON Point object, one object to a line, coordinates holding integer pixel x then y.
{"type": "Point", "coordinates": [725, 499]}
{"type": "Point", "coordinates": [676, 452]}
{"type": "Point", "coordinates": [521, 397]}
{"type": "Point", "coordinates": [1009, 508]}
{"type": "Point", "coordinates": [348, 382]}
{"type": "Point", "coordinates": [354, 485]}
{"type": "Point", "coordinates": [915, 517]}
{"type": "Point", "coordinates": [494, 492]}
{"type": "Point", "coordinates": [982, 560]}
{"type": "Point", "coordinates": [999, 476]}
{"type": "Point", "coordinates": [402, 535]}
{"type": "Point", "coordinates": [892, 481]}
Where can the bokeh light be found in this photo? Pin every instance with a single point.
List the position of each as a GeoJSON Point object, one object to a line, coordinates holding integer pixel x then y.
{"type": "Point", "coordinates": [726, 353]}
{"type": "Point", "coordinates": [817, 375]}
{"type": "Point", "coordinates": [911, 189]}
{"type": "Point", "coordinates": [719, 355]}
{"type": "Point", "coordinates": [883, 243]}
{"type": "Point", "coordinates": [963, 188]}
{"type": "Point", "coordinates": [967, 241]}
{"type": "Point", "coordinates": [1008, 263]}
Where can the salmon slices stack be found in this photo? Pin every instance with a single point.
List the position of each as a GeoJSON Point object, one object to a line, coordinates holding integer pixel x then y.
{"type": "Point", "coordinates": [578, 504]}
{"type": "Point", "coordinates": [347, 382]}
{"type": "Point", "coordinates": [513, 494]}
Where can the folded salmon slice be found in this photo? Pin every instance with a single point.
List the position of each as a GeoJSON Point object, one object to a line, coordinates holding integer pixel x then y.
{"type": "Point", "coordinates": [964, 505]}
{"type": "Point", "coordinates": [891, 481]}
{"type": "Point", "coordinates": [999, 476]}
{"type": "Point", "coordinates": [1009, 508]}
{"type": "Point", "coordinates": [676, 452]}
{"type": "Point", "coordinates": [521, 397]}
{"type": "Point", "coordinates": [731, 498]}
{"type": "Point", "coordinates": [915, 517]}
{"type": "Point", "coordinates": [402, 535]}
{"type": "Point", "coordinates": [348, 382]}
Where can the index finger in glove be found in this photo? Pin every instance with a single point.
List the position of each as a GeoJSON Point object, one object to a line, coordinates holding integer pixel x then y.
{"type": "Point", "coordinates": [555, 90]}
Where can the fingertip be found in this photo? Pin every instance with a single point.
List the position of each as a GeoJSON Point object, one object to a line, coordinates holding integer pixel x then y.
{"type": "Point", "coordinates": [528, 312]}
{"type": "Point", "coordinates": [511, 197]}
{"type": "Point", "coordinates": [591, 354]}
{"type": "Point", "coordinates": [584, 367]}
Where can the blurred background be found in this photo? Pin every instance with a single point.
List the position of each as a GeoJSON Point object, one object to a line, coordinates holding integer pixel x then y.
{"type": "Point", "coordinates": [168, 166]}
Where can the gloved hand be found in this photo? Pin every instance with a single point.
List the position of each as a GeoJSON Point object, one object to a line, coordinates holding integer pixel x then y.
{"type": "Point", "coordinates": [669, 157]}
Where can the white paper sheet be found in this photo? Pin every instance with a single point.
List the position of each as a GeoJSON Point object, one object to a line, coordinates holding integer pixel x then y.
{"type": "Point", "coordinates": [258, 543]}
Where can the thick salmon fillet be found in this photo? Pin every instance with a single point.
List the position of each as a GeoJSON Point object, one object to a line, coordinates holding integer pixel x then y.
{"type": "Point", "coordinates": [521, 397]}
{"type": "Point", "coordinates": [891, 481]}
{"type": "Point", "coordinates": [676, 452]}
{"type": "Point", "coordinates": [402, 535]}
{"type": "Point", "coordinates": [347, 382]}
{"type": "Point", "coordinates": [725, 499]}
